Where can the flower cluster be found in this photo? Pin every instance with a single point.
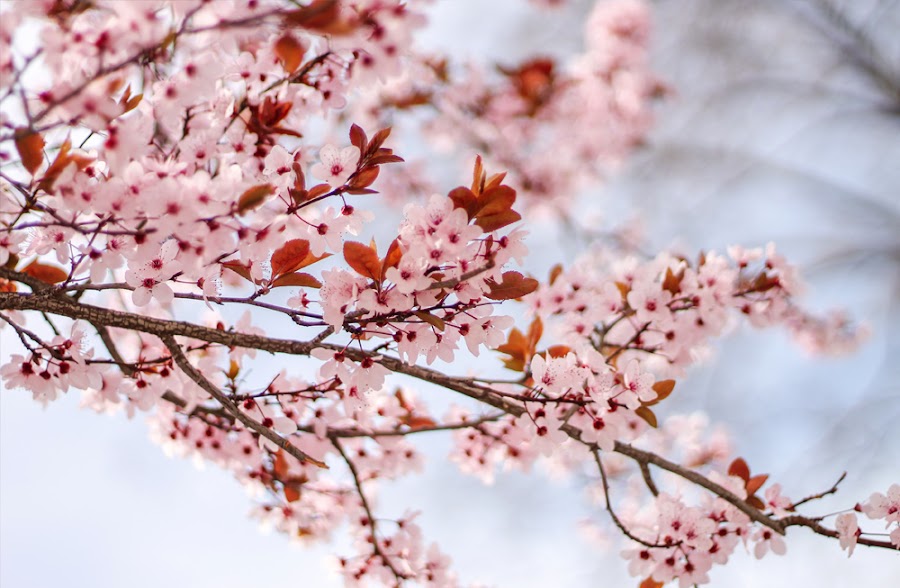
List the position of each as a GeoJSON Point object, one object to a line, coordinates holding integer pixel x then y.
{"type": "Point", "coordinates": [177, 165]}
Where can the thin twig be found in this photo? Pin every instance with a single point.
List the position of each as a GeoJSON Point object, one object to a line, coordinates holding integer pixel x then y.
{"type": "Point", "coordinates": [182, 361]}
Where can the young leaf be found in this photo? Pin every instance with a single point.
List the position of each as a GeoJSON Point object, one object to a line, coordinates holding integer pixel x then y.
{"type": "Point", "coordinates": [30, 146]}
{"type": "Point", "coordinates": [358, 138]}
{"type": "Point", "coordinates": [514, 285]}
{"type": "Point", "coordinates": [492, 222]}
{"type": "Point", "coordinates": [755, 483]}
{"type": "Point", "coordinates": [301, 279]}
{"type": "Point", "coordinates": [289, 52]}
{"type": "Point", "coordinates": [647, 414]}
{"type": "Point", "coordinates": [392, 257]}
{"type": "Point", "coordinates": [363, 260]}
{"type": "Point", "coordinates": [45, 273]}
{"type": "Point", "coordinates": [432, 320]}
{"type": "Point", "coordinates": [291, 492]}
{"type": "Point", "coordinates": [740, 469]}
{"type": "Point", "coordinates": [289, 257]}
{"type": "Point", "coordinates": [254, 197]}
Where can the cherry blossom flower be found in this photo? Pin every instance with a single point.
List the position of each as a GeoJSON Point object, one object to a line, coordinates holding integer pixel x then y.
{"type": "Point", "coordinates": [848, 531]}
{"type": "Point", "coordinates": [336, 166]}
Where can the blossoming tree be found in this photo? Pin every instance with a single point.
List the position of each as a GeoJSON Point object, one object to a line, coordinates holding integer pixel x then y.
{"type": "Point", "coordinates": [191, 186]}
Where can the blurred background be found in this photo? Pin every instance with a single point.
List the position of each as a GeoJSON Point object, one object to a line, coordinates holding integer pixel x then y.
{"type": "Point", "coordinates": [784, 126]}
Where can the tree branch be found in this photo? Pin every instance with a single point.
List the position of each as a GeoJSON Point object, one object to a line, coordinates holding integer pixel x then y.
{"type": "Point", "coordinates": [182, 361]}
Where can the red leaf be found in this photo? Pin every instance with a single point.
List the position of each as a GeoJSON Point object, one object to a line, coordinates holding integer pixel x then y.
{"type": "Point", "coordinates": [301, 279]}
{"type": "Point", "coordinates": [755, 483]}
{"type": "Point", "coordinates": [239, 268]}
{"type": "Point", "coordinates": [756, 503]}
{"type": "Point", "coordinates": [651, 583]}
{"type": "Point", "coordinates": [30, 146]}
{"type": "Point", "coordinates": [740, 469]}
{"type": "Point", "coordinates": [358, 138]}
{"type": "Point", "coordinates": [415, 422]}
{"type": "Point", "coordinates": [495, 200]}
{"type": "Point", "coordinates": [559, 350]}
{"type": "Point", "coordinates": [318, 190]}
{"type": "Point", "coordinates": [514, 285]}
{"type": "Point", "coordinates": [280, 466]}
{"type": "Point", "coordinates": [45, 273]}
{"type": "Point", "coordinates": [289, 51]}
{"type": "Point", "coordinates": [363, 260]}
{"type": "Point", "coordinates": [379, 138]}
{"type": "Point", "coordinates": [555, 272]}
{"type": "Point", "coordinates": [663, 389]}
{"type": "Point", "coordinates": [465, 199]}
{"type": "Point", "coordinates": [393, 256]}
{"type": "Point", "coordinates": [432, 320]}
{"type": "Point", "coordinates": [646, 414]}
{"type": "Point", "coordinates": [291, 493]}
{"type": "Point", "coordinates": [289, 257]}
{"type": "Point", "coordinates": [493, 222]}
{"type": "Point", "coordinates": [254, 197]}
{"type": "Point", "coordinates": [365, 177]}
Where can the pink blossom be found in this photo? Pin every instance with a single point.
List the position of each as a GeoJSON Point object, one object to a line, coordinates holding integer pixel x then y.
{"type": "Point", "coordinates": [848, 531]}
{"type": "Point", "coordinates": [336, 166]}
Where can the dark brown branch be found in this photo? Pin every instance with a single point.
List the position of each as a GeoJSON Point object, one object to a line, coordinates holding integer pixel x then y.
{"type": "Point", "coordinates": [832, 490]}
{"type": "Point", "coordinates": [45, 300]}
{"type": "Point", "coordinates": [357, 481]}
{"type": "Point", "coordinates": [595, 451]}
{"type": "Point", "coordinates": [182, 361]}
{"type": "Point", "coordinates": [801, 521]}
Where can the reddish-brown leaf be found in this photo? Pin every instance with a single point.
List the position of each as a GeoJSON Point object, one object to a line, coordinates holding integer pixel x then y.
{"type": "Point", "coordinates": [45, 273]}
{"type": "Point", "coordinates": [254, 197]}
{"type": "Point", "coordinates": [363, 260]}
{"type": "Point", "coordinates": [495, 200]}
{"type": "Point", "coordinates": [385, 158]}
{"type": "Point", "coordinates": [301, 279]}
{"type": "Point", "coordinates": [291, 492]}
{"type": "Point", "coordinates": [756, 503]}
{"type": "Point", "coordinates": [740, 469]}
{"type": "Point", "coordinates": [494, 181]}
{"type": "Point", "coordinates": [513, 285]}
{"type": "Point", "coordinates": [646, 414]}
{"type": "Point", "coordinates": [415, 422]}
{"type": "Point", "coordinates": [755, 483]}
{"type": "Point", "coordinates": [516, 347]}
{"type": "Point", "coordinates": [358, 138]}
{"type": "Point", "coordinates": [289, 257]}
{"type": "Point", "coordinates": [559, 350]}
{"type": "Point", "coordinates": [132, 102]}
{"type": "Point", "coordinates": [319, 15]}
{"type": "Point", "coordinates": [234, 368]}
{"type": "Point", "coordinates": [318, 190]}
{"type": "Point", "coordinates": [555, 272]}
{"type": "Point", "coordinates": [651, 583]}
{"type": "Point", "coordinates": [672, 282]}
{"type": "Point", "coordinates": [30, 146]}
{"type": "Point", "coordinates": [392, 257]}
{"type": "Point", "coordinates": [239, 268]}
{"type": "Point", "coordinates": [497, 221]}
{"type": "Point", "coordinates": [365, 177]}
{"type": "Point", "coordinates": [289, 51]}
{"type": "Point", "coordinates": [432, 320]}
{"type": "Point", "coordinates": [280, 465]}
{"type": "Point", "coordinates": [535, 332]}
{"type": "Point", "coordinates": [478, 176]}
{"type": "Point", "coordinates": [379, 138]}
{"type": "Point", "coordinates": [663, 389]}
{"type": "Point", "coordinates": [465, 199]}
